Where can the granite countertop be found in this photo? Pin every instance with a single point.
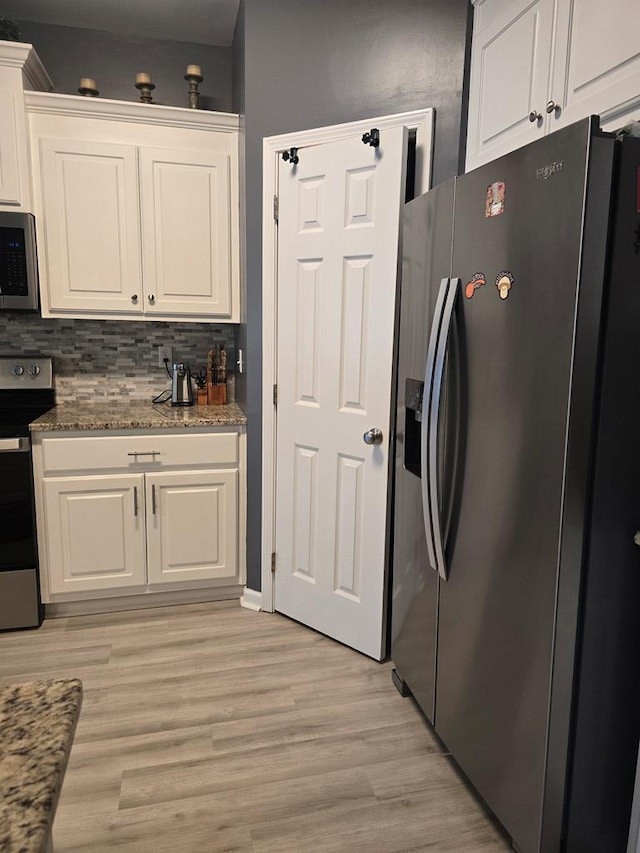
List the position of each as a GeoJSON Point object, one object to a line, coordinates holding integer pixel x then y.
{"type": "Point", "coordinates": [37, 725]}
{"type": "Point", "coordinates": [136, 414]}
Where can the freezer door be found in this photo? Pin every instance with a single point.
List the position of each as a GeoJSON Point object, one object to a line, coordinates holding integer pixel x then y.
{"type": "Point", "coordinates": [426, 260]}
{"type": "Point", "coordinates": [517, 245]}
{"type": "Point", "coordinates": [607, 721]}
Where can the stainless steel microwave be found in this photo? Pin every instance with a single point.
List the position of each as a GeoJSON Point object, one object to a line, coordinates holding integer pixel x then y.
{"type": "Point", "coordinates": [18, 262]}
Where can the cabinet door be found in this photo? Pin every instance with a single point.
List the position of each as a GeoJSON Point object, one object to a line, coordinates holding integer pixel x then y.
{"type": "Point", "coordinates": [186, 232]}
{"type": "Point", "coordinates": [95, 532]}
{"type": "Point", "coordinates": [597, 63]}
{"type": "Point", "coordinates": [11, 137]}
{"type": "Point", "coordinates": [92, 226]}
{"type": "Point", "coordinates": [509, 80]}
{"type": "Point", "coordinates": [15, 190]}
{"type": "Point", "coordinates": [192, 526]}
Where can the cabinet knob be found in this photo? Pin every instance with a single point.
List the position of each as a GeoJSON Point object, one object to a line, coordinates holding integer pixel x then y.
{"type": "Point", "coordinates": [535, 116]}
{"type": "Point", "coordinates": [552, 107]}
{"type": "Point", "coordinates": [151, 298]}
{"type": "Point", "coordinates": [134, 297]}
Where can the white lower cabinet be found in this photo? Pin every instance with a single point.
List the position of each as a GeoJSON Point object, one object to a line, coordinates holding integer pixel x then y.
{"type": "Point", "coordinates": [95, 532]}
{"type": "Point", "coordinates": [159, 525]}
{"type": "Point", "coordinates": [191, 526]}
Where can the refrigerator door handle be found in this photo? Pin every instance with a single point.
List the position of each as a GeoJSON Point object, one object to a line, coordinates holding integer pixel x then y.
{"type": "Point", "coordinates": [427, 511]}
{"type": "Point", "coordinates": [434, 420]}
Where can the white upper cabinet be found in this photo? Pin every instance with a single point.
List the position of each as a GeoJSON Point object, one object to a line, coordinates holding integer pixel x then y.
{"type": "Point", "coordinates": [537, 65]}
{"type": "Point", "coordinates": [138, 205]}
{"type": "Point", "coordinates": [186, 231]}
{"type": "Point", "coordinates": [509, 79]}
{"type": "Point", "coordinates": [90, 226]}
{"type": "Point", "coordinates": [19, 68]}
{"type": "Point", "coordinates": [597, 62]}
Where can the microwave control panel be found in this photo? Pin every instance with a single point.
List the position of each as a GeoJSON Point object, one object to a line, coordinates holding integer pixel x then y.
{"type": "Point", "coordinates": [13, 262]}
{"type": "Point", "coordinates": [18, 262]}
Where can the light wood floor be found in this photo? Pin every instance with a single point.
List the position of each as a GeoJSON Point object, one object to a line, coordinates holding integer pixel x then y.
{"type": "Point", "coordinates": [212, 728]}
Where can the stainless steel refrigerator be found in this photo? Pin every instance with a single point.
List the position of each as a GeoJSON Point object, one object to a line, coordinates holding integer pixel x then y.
{"type": "Point", "coordinates": [516, 566]}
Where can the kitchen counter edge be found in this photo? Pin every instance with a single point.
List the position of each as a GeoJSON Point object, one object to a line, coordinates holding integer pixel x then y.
{"type": "Point", "coordinates": [135, 415]}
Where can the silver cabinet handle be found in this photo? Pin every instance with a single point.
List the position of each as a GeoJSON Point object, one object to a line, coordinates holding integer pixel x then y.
{"type": "Point", "coordinates": [372, 436]}
{"type": "Point", "coordinates": [534, 115]}
{"type": "Point", "coordinates": [14, 445]}
{"type": "Point", "coordinates": [135, 501]}
{"type": "Point", "coordinates": [137, 453]}
{"type": "Point", "coordinates": [153, 499]}
{"type": "Point", "coordinates": [134, 297]}
{"type": "Point", "coordinates": [552, 107]}
{"type": "Point", "coordinates": [151, 298]}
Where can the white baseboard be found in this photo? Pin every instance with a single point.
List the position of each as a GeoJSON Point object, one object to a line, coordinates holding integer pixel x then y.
{"type": "Point", "coordinates": [251, 599]}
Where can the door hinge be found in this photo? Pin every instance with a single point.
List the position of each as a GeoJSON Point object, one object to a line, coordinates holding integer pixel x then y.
{"type": "Point", "coordinates": [276, 207]}
{"type": "Point", "coordinates": [275, 395]}
{"type": "Point", "coordinates": [273, 561]}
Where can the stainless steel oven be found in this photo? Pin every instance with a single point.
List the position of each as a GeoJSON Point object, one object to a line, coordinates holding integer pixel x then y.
{"type": "Point", "coordinates": [26, 391]}
{"type": "Point", "coordinates": [18, 262]}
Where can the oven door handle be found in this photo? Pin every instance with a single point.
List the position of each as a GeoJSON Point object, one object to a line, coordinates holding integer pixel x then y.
{"type": "Point", "coordinates": [14, 445]}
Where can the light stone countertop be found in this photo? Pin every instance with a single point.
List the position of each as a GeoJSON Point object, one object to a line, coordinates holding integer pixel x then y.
{"type": "Point", "coordinates": [135, 414]}
{"type": "Point", "coordinates": [37, 724]}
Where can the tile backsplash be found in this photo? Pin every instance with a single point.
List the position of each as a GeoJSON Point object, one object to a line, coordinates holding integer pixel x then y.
{"type": "Point", "coordinates": [106, 359]}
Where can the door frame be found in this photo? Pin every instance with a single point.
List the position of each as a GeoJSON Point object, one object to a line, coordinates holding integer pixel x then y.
{"type": "Point", "coordinates": [420, 121]}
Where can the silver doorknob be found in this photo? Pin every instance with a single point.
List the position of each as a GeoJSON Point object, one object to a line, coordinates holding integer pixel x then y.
{"type": "Point", "coordinates": [151, 298]}
{"type": "Point", "coordinates": [552, 107]}
{"type": "Point", "coordinates": [534, 115]}
{"type": "Point", "coordinates": [372, 436]}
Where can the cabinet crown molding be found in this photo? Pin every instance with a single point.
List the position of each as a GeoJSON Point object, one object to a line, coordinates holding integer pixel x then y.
{"type": "Point", "coordinates": [111, 110]}
{"type": "Point", "coordinates": [16, 54]}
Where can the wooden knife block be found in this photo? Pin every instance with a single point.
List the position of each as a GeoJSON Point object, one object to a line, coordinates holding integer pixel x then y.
{"type": "Point", "coordinates": [216, 395]}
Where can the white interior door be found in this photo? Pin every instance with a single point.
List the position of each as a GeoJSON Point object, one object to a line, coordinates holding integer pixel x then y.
{"type": "Point", "coordinates": [339, 210]}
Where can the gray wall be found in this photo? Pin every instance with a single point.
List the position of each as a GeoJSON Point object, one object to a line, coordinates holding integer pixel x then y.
{"type": "Point", "coordinates": [314, 64]}
{"type": "Point", "coordinates": [238, 88]}
{"type": "Point", "coordinates": [69, 53]}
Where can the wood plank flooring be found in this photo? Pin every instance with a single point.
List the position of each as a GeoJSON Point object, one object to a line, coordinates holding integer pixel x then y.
{"type": "Point", "coordinates": [209, 728]}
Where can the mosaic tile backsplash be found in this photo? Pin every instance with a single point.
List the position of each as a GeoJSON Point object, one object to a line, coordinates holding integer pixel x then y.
{"type": "Point", "coordinates": [105, 359]}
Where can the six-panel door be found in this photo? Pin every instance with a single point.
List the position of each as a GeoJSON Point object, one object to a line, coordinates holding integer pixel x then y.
{"type": "Point", "coordinates": [337, 266]}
